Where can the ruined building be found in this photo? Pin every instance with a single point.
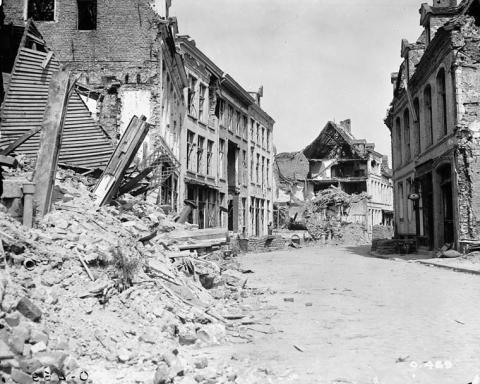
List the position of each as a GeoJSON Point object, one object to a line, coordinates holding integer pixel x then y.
{"type": "Point", "coordinates": [214, 138]}
{"type": "Point", "coordinates": [125, 58]}
{"type": "Point", "coordinates": [434, 120]}
{"type": "Point", "coordinates": [228, 149]}
{"type": "Point", "coordinates": [336, 158]}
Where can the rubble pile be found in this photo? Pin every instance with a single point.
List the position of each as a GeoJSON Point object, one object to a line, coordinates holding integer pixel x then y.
{"type": "Point", "coordinates": [82, 296]}
{"type": "Point", "coordinates": [325, 217]}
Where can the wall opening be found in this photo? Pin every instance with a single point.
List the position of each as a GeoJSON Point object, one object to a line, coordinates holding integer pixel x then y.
{"type": "Point", "coordinates": [442, 101]}
{"type": "Point", "coordinates": [41, 10]}
{"type": "Point", "coordinates": [427, 97]}
{"type": "Point", "coordinates": [87, 15]}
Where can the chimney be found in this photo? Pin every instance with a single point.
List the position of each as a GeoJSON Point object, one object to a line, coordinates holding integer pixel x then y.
{"type": "Point", "coordinates": [347, 125]}
{"type": "Point", "coordinates": [444, 3]}
{"type": "Point", "coordinates": [385, 161]}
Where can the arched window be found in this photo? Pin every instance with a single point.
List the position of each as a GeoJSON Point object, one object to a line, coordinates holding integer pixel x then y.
{"type": "Point", "coordinates": [442, 101]}
{"type": "Point", "coordinates": [398, 129]}
{"type": "Point", "coordinates": [406, 134]}
{"type": "Point", "coordinates": [417, 135]}
{"type": "Point", "coordinates": [427, 102]}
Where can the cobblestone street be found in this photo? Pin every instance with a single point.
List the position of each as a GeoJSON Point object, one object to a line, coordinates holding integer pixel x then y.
{"type": "Point", "coordinates": [370, 320]}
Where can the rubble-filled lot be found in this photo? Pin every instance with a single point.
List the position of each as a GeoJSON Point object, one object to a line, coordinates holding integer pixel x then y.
{"type": "Point", "coordinates": [85, 301]}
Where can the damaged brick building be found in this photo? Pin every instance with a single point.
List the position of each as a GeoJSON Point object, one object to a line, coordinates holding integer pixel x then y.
{"type": "Point", "coordinates": [229, 150]}
{"type": "Point", "coordinates": [336, 158]}
{"type": "Point", "coordinates": [213, 137]}
{"type": "Point", "coordinates": [434, 120]}
{"type": "Point", "coordinates": [125, 58]}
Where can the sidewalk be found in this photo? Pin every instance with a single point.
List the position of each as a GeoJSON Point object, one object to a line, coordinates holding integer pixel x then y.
{"type": "Point", "coordinates": [467, 264]}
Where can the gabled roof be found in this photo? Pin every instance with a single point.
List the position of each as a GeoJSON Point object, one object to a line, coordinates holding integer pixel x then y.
{"type": "Point", "coordinates": [333, 140]}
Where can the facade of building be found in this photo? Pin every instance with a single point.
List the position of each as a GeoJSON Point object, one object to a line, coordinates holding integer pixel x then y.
{"type": "Point", "coordinates": [336, 158]}
{"type": "Point", "coordinates": [129, 61]}
{"type": "Point", "coordinates": [228, 151]}
{"type": "Point", "coordinates": [125, 58]}
{"type": "Point", "coordinates": [434, 121]}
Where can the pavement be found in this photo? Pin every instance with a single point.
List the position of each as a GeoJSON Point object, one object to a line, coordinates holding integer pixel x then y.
{"type": "Point", "coordinates": [340, 315]}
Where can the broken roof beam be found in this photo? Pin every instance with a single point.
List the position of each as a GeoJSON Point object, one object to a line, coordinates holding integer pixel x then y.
{"type": "Point", "coordinates": [51, 140]}
{"type": "Point", "coordinates": [110, 181]}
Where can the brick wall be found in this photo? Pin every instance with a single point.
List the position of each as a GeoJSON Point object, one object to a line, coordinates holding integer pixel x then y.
{"type": "Point", "coordinates": [125, 25]}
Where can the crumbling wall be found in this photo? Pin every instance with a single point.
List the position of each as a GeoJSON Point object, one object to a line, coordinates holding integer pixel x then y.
{"type": "Point", "coordinates": [467, 154]}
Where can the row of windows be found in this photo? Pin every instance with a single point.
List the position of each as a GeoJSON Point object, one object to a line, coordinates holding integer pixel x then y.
{"type": "Point", "coordinates": [204, 154]}
{"type": "Point", "coordinates": [44, 10]}
{"type": "Point", "coordinates": [420, 124]}
{"type": "Point", "coordinates": [259, 169]}
{"type": "Point", "coordinates": [204, 150]}
{"type": "Point", "coordinates": [229, 117]}
{"type": "Point", "coordinates": [381, 192]}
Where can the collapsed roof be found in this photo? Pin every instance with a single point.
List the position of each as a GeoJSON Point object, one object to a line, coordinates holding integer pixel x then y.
{"type": "Point", "coordinates": [84, 143]}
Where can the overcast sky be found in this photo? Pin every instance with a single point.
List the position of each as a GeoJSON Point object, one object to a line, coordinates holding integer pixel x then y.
{"type": "Point", "coordinates": [318, 60]}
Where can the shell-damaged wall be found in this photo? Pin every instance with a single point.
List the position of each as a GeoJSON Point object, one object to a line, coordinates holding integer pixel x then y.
{"type": "Point", "coordinates": [466, 43]}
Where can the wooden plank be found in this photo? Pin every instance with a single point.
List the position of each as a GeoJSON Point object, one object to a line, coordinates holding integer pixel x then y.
{"type": "Point", "coordinates": [8, 161]}
{"type": "Point", "coordinates": [199, 234]}
{"type": "Point", "coordinates": [20, 141]}
{"type": "Point", "coordinates": [47, 59]}
{"type": "Point", "coordinates": [109, 183]}
{"type": "Point", "coordinates": [48, 154]}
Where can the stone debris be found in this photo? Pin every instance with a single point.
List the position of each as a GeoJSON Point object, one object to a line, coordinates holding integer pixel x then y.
{"type": "Point", "coordinates": [137, 307]}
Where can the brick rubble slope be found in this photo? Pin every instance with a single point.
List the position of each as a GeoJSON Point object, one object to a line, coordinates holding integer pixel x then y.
{"type": "Point", "coordinates": [141, 318]}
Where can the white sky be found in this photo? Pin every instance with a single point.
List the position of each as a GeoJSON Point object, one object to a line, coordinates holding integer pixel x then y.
{"type": "Point", "coordinates": [318, 60]}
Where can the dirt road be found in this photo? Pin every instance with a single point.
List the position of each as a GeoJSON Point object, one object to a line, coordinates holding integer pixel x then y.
{"type": "Point", "coordinates": [357, 319]}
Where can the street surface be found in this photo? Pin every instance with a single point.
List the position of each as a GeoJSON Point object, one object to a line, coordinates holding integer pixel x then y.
{"type": "Point", "coordinates": [370, 320]}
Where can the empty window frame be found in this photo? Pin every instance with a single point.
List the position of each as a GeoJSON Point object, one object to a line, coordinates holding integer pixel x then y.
{"type": "Point", "coordinates": [442, 101]}
{"type": "Point", "coordinates": [41, 10]}
{"type": "Point", "coordinates": [238, 122]}
{"type": "Point", "coordinates": [209, 157]}
{"type": "Point", "coordinates": [230, 118]}
{"type": "Point", "coordinates": [258, 168]}
{"type": "Point", "coordinates": [87, 15]}
{"type": "Point", "coordinates": [418, 136]}
{"type": "Point", "coordinates": [245, 127]}
{"type": "Point", "coordinates": [190, 146]}
{"type": "Point", "coordinates": [398, 129]}
{"type": "Point", "coordinates": [192, 81]}
{"type": "Point", "coordinates": [252, 164]}
{"type": "Point", "coordinates": [221, 158]}
{"type": "Point", "coordinates": [268, 173]}
{"type": "Point", "coordinates": [245, 168]}
{"type": "Point", "coordinates": [201, 103]}
{"type": "Point", "coordinates": [406, 134]}
{"type": "Point", "coordinates": [200, 143]}
{"type": "Point", "coordinates": [428, 114]}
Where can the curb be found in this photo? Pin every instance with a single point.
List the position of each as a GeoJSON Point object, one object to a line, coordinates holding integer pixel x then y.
{"type": "Point", "coordinates": [451, 268]}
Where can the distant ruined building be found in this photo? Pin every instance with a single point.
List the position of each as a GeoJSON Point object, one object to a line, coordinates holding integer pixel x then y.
{"type": "Point", "coordinates": [336, 158]}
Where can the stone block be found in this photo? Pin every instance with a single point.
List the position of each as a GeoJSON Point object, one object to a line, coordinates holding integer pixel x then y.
{"type": "Point", "coordinates": [5, 351]}
{"type": "Point", "coordinates": [21, 377]}
{"type": "Point", "coordinates": [29, 310]}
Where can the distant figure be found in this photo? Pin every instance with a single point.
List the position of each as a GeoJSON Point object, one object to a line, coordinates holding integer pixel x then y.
{"type": "Point", "coordinates": [270, 229]}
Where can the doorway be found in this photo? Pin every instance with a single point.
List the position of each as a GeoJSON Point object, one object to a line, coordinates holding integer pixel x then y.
{"type": "Point", "coordinates": [445, 180]}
